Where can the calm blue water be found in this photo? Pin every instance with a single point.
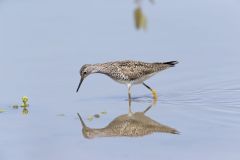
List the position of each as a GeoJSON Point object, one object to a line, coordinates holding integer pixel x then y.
{"type": "Point", "coordinates": [44, 43]}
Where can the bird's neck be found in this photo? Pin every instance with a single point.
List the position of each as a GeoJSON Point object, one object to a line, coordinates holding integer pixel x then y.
{"type": "Point", "coordinates": [99, 68]}
{"type": "Point", "coordinates": [102, 132]}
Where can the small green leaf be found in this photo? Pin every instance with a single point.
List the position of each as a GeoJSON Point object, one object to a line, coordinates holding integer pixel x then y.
{"type": "Point", "coordinates": [25, 99]}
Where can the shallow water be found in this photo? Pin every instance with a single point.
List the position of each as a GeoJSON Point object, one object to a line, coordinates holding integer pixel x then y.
{"type": "Point", "coordinates": [43, 45]}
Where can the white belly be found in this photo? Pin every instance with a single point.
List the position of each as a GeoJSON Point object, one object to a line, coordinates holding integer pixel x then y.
{"type": "Point", "coordinates": [142, 79]}
{"type": "Point", "coordinates": [137, 81]}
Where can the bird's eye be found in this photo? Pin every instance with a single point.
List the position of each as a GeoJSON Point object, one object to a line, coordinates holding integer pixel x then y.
{"type": "Point", "coordinates": [84, 72]}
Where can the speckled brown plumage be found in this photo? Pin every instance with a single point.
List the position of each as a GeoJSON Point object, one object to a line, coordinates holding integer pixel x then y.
{"type": "Point", "coordinates": [126, 72]}
{"type": "Point", "coordinates": [134, 125]}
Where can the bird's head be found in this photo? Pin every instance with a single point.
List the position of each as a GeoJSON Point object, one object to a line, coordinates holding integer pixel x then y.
{"type": "Point", "coordinates": [86, 70]}
{"type": "Point", "coordinates": [86, 131]}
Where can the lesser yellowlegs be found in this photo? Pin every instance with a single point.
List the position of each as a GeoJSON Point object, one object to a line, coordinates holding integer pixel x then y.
{"type": "Point", "coordinates": [126, 72]}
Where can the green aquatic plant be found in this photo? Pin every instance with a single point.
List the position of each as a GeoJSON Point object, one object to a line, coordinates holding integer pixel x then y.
{"type": "Point", "coordinates": [25, 105]}
{"type": "Point", "coordinates": [25, 101]}
{"type": "Point", "coordinates": [97, 115]}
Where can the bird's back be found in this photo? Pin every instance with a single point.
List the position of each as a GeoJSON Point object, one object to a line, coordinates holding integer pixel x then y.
{"type": "Point", "coordinates": [134, 70]}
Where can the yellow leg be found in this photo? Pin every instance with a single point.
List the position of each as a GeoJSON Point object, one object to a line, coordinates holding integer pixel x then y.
{"type": "Point", "coordinates": [154, 93]}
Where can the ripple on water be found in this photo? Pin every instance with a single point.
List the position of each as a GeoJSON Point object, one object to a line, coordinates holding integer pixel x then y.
{"type": "Point", "coordinates": [218, 102]}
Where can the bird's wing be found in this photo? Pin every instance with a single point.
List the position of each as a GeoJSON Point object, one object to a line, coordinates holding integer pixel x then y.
{"type": "Point", "coordinates": [135, 70]}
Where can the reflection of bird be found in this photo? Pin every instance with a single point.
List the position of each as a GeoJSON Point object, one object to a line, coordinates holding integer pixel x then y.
{"type": "Point", "coordinates": [126, 72]}
{"type": "Point", "coordinates": [130, 125]}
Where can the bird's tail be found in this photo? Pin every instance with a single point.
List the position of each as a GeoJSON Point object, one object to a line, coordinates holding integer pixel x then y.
{"type": "Point", "coordinates": [171, 63]}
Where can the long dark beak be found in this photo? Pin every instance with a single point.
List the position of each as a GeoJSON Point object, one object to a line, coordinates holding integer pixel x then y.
{"type": "Point", "coordinates": [80, 83]}
{"type": "Point", "coordinates": [81, 120]}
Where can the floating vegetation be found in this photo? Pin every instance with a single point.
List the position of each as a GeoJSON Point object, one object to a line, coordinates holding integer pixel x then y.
{"type": "Point", "coordinates": [25, 105]}
{"type": "Point", "coordinates": [25, 101]}
{"type": "Point", "coordinates": [97, 115]}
